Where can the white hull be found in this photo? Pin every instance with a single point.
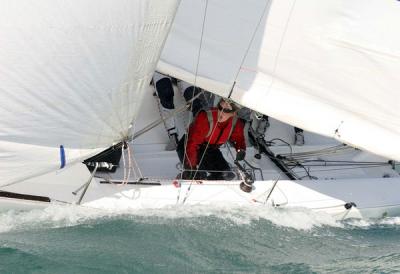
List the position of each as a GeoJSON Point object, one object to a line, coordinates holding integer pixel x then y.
{"type": "Point", "coordinates": [286, 194]}
{"type": "Point", "coordinates": [373, 198]}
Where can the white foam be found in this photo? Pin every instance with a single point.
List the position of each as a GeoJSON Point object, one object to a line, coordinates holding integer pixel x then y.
{"type": "Point", "coordinates": [359, 223]}
{"type": "Point", "coordinates": [390, 221]}
{"type": "Point", "coordinates": [64, 216]}
{"type": "Point", "coordinates": [52, 216]}
{"type": "Point", "coordinates": [362, 223]}
{"type": "Point", "coordinates": [297, 218]}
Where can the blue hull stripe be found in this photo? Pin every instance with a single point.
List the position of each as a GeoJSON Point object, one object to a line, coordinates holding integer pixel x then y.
{"type": "Point", "coordinates": [62, 157]}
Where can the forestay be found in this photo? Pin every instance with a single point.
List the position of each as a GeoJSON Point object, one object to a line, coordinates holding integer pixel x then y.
{"type": "Point", "coordinates": [331, 67]}
{"type": "Point", "coordinates": [72, 74]}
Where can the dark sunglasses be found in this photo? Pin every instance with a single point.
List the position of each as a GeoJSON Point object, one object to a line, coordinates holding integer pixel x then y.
{"type": "Point", "coordinates": [225, 110]}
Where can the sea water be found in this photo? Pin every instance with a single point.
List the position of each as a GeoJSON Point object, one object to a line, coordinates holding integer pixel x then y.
{"type": "Point", "coordinates": [199, 239]}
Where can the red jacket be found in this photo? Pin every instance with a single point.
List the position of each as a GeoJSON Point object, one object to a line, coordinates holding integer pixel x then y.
{"type": "Point", "coordinates": [199, 130]}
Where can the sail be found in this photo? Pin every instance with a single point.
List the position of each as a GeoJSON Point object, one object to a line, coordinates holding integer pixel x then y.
{"type": "Point", "coordinates": [72, 76]}
{"type": "Point", "coordinates": [330, 67]}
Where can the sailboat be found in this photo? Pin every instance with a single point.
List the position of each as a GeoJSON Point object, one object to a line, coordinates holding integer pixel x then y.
{"type": "Point", "coordinates": [75, 86]}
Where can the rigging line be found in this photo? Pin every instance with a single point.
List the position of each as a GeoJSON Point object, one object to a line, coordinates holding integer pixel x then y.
{"type": "Point", "coordinates": [340, 169]}
{"type": "Point", "coordinates": [195, 78]}
{"type": "Point", "coordinates": [228, 146]}
{"type": "Point", "coordinates": [137, 167]}
{"type": "Point", "coordinates": [337, 165]}
{"type": "Point", "coordinates": [201, 43]}
{"type": "Point", "coordinates": [159, 121]}
{"type": "Point", "coordinates": [267, 4]}
{"type": "Point", "coordinates": [290, 147]}
{"type": "Point", "coordinates": [345, 163]}
{"type": "Point", "coordinates": [201, 160]}
{"type": "Point", "coordinates": [123, 163]}
{"type": "Point", "coordinates": [326, 170]}
{"type": "Point", "coordinates": [162, 119]}
{"type": "Point", "coordinates": [307, 172]}
{"type": "Point", "coordinates": [133, 125]}
{"type": "Point", "coordinates": [129, 163]}
{"type": "Point", "coordinates": [306, 157]}
{"type": "Point", "coordinates": [148, 128]}
{"type": "Point", "coordinates": [328, 149]}
{"type": "Point", "coordinates": [134, 122]}
{"type": "Point", "coordinates": [318, 170]}
{"type": "Point", "coordinates": [335, 162]}
{"type": "Point", "coordinates": [311, 155]}
{"type": "Point", "coordinates": [287, 157]}
{"type": "Point", "coordinates": [208, 143]}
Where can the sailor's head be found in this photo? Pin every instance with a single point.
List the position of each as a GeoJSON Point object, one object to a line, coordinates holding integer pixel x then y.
{"type": "Point", "coordinates": [227, 106]}
{"type": "Point", "coordinates": [226, 109]}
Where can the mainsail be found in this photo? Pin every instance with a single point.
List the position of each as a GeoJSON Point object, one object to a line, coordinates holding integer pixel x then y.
{"type": "Point", "coordinates": [72, 76]}
{"type": "Point", "coordinates": [331, 67]}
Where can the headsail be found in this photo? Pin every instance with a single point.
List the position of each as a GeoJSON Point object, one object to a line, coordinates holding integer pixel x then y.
{"type": "Point", "coordinates": [72, 76]}
{"type": "Point", "coordinates": [330, 67]}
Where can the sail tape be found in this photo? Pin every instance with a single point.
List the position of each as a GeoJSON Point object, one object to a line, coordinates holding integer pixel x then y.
{"type": "Point", "coordinates": [62, 157]}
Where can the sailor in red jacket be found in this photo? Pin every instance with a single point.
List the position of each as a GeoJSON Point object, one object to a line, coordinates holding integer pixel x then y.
{"type": "Point", "coordinates": [206, 134]}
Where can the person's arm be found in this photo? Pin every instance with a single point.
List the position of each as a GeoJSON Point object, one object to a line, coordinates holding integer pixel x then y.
{"type": "Point", "coordinates": [197, 134]}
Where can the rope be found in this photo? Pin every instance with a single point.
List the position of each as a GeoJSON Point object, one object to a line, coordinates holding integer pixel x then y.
{"type": "Point", "coordinates": [123, 162]}
{"type": "Point", "coordinates": [129, 164]}
{"type": "Point", "coordinates": [205, 150]}
{"type": "Point", "coordinates": [339, 169]}
{"type": "Point", "coordinates": [195, 77]}
{"type": "Point", "coordinates": [162, 119]}
{"type": "Point", "coordinates": [137, 166]}
{"type": "Point", "coordinates": [191, 106]}
{"type": "Point", "coordinates": [324, 150]}
{"type": "Point", "coordinates": [286, 143]}
{"type": "Point", "coordinates": [237, 74]}
{"type": "Point", "coordinates": [305, 155]}
{"type": "Point", "coordinates": [201, 160]}
{"type": "Point", "coordinates": [343, 163]}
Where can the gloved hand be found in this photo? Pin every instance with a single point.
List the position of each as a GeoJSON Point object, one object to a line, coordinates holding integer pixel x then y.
{"type": "Point", "coordinates": [240, 155]}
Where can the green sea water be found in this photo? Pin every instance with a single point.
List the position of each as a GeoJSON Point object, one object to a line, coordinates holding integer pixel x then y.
{"type": "Point", "coordinates": [195, 240]}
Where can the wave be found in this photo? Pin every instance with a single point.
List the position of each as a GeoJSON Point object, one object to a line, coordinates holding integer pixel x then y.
{"type": "Point", "coordinates": [372, 223]}
{"type": "Point", "coordinates": [49, 217]}
{"type": "Point", "coordinates": [56, 216]}
{"type": "Point", "coordinates": [63, 216]}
